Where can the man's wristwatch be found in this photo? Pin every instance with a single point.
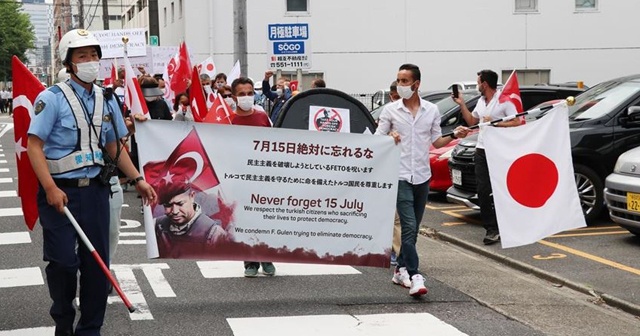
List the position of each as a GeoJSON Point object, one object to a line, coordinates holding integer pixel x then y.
{"type": "Point", "coordinates": [136, 180]}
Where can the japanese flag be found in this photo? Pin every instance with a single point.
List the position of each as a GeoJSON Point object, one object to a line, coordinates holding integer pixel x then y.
{"type": "Point", "coordinates": [207, 67]}
{"type": "Point", "coordinates": [534, 190]}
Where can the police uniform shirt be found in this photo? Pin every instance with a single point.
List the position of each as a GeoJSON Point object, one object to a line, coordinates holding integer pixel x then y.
{"type": "Point", "coordinates": [55, 124]}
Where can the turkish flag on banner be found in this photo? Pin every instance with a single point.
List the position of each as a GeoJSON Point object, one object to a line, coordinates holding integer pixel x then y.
{"type": "Point", "coordinates": [196, 94]}
{"type": "Point", "coordinates": [133, 98]}
{"type": "Point", "coordinates": [207, 67]}
{"type": "Point", "coordinates": [26, 88]}
{"type": "Point", "coordinates": [188, 164]}
{"type": "Point", "coordinates": [182, 73]}
{"type": "Point", "coordinates": [220, 112]}
{"type": "Point", "coordinates": [511, 92]}
{"type": "Point", "coordinates": [534, 189]}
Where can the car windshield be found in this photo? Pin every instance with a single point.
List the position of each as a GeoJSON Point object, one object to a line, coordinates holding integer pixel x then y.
{"type": "Point", "coordinates": [446, 104]}
{"type": "Point", "coordinates": [602, 99]}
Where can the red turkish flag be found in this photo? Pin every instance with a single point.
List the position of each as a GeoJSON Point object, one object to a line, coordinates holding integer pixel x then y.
{"type": "Point", "coordinates": [26, 88]}
{"type": "Point", "coordinates": [196, 94]}
{"type": "Point", "coordinates": [188, 166]}
{"type": "Point", "coordinates": [133, 98]}
{"type": "Point", "coordinates": [293, 85]}
{"type": "Point", "coordinates": [182, 73]}
{"type": "Point", "coordinates": [511, 92]}
{"type": "Point", "coordinates": [220, 112]}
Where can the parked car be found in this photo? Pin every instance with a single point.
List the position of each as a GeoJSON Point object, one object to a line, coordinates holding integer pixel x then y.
{"type": "Point", "coordinates": [603, 124]}
{"type": "Point", "coordinates": [622, 191]}
{"type": "Point", "coordinates": [470, 85]}
{"type": "Point", "coordinates": [431, 96]}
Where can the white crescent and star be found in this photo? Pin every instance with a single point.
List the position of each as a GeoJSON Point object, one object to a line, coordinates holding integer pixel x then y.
{"type": "Point", "coordinates": [22, 101]}
{"type": "Point", "coordinates": [197, 158]}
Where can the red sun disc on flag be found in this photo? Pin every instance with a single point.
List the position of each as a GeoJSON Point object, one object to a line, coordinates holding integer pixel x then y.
{"type": "Point", "coordinates": [210, 67]}
{"type": "Point", "coordinates": [532, 179]}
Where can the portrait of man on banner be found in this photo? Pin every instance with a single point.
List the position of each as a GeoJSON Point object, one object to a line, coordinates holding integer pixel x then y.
{"type": "Point", "coordinates": [189, 222]}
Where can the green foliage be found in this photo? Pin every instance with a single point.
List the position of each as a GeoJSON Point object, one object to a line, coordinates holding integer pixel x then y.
{"type": "Point", "coordinates": [16, 35]}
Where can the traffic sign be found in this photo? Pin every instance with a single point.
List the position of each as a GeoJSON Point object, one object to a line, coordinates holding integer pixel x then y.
{"type": "Point", "coordinates": [288, 47]}
{"type": "Point", "coordinates": [153, 40]}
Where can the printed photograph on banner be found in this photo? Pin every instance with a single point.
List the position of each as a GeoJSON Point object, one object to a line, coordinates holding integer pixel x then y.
{"type": "Point", "coordinates": [245, 193]}
{"type": "Point", "coordinates": [329, 119]}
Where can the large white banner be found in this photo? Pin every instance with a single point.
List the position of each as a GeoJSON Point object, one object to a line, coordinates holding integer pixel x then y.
{"type": "Point", "coordinates": [264, 194]}
{"type": "Point", "coordinates": [112, 45]}
{"type": "Point", "coordinates": [155, 62]}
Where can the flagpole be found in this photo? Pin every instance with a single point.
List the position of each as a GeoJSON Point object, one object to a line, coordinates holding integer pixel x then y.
{"type": "Point", "coordinates": [101, 263]}
{"type": "Point", "coordinates": [569, 101]}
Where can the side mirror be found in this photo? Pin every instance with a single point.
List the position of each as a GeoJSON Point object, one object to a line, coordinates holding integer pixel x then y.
{"type": "Point", "coordinates": [632, 119]}
{"type": "Point", "coordinates": [633, 110]}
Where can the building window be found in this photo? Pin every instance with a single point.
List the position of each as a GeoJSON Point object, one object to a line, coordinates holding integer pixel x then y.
{"type": "Point", "coordinates": [173, 12]}
{"type": "Point", "coordinates": [180, 9]}
{"type": "Point", "coordinates": [526, 6]}
{"type": "Point", "coordinates": [297, 6]}
{"type": "Point", "coordinates": [165, 16]}
{"type": "Point", "coordinates": [586, 5]}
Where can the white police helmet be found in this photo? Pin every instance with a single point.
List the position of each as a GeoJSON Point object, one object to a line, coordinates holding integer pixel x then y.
{"type": "Point", "coordinates": [77, 38]}
{"type": "Point", "coordinates": [63, 75]}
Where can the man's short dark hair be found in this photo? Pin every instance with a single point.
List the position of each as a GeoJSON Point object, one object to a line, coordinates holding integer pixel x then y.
{"type": "Point", "coordinates": [157, 76]}
{"type": "Point", "coordinates": [490, 77]}
{"type": "Point", "coordinates": [393, 86]}
{"type": "Point", "coordinates": [240, 81]}
{"type": "Point", "coordinates": [220, 76]}
{"type": "Point", "coordinates": [319, 83]}
{"type": "Point", "coordinates": [415, 71]}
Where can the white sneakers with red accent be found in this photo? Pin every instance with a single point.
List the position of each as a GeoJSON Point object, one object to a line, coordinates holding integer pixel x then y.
{"type": "Point", "coordinates": [417, 286]}
{"type": "Point", "coordinates": [401, 277]}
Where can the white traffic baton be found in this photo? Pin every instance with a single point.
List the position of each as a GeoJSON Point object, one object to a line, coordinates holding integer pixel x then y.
{"type": "Point", "coordinates": [96, 256]}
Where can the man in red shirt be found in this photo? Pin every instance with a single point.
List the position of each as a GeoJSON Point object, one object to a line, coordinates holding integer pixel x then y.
{"type": "Point", "coordinates": [247, 115]}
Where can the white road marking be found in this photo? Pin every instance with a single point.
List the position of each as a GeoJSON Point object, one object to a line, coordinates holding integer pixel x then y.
{"type": "Point", "coordinates": [129, 285]}
{"type": "Point", "coordinates": [322, 325]}
{"type": "Point", "coordinates": [130, 224]}
{"type": "Point", "coordinates": [129, 234]}
{"type": "Point", "coordinates": [3, 161]}
{"type": "Point", "coordinates": [19, 277]}
{"type": "Point", "coordinates": [4, 170]}
{"type": "Point", "coordinates": [42, 331]}
{"type": "Point", "coordinates": [1, 155]}
{"type": "Point", "coordinates": [8, 212]}
{"type": "Point", "coordinates": [10, 238]}
{"type": "Point", "coordinates": [235, 269]}
{"type": "Point", "coordinates": [8, 193]}
{"type": "Point", "coordinates": [6, 180]}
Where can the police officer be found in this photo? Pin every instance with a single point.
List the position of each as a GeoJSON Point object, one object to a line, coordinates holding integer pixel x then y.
{"type": "Point", "coordinates": [71, 138]}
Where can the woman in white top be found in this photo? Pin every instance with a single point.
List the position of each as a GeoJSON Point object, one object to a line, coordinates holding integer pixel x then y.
{"type": "Point", "coordinates": [181, 108]}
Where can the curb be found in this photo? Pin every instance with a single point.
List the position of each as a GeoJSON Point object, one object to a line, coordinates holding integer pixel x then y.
{"type": "Point", "coordinates": [610, 300]}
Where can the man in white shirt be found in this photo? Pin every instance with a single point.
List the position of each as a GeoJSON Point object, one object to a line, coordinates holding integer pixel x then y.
{"type": "Point", "coordinates": [488, 108]}
{"type": "Point", "coordinates": [414, 123]}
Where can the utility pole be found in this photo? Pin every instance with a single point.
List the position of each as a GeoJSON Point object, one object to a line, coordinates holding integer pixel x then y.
{"type": "Point", "coordinates": [105, 15]}
{"type": "Point", "coordinates": [81, 14]}
{"type": "Point", "coordinates": [240, 34]}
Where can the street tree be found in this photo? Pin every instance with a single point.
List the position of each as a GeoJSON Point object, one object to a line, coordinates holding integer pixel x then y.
{"type": "Point", "coordinates": [16, 35]}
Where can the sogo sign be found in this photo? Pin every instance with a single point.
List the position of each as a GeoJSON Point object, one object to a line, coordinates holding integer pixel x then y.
{"type": "Point", "coordinates": [288, 46]}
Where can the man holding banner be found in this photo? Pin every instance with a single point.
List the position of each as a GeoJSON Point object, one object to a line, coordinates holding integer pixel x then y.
{"type": "Point", "coordinates": [489, 107]}
{"type": "Point", "coordinates": [72, 138]}
{"type": "Point", "coordinates": [414, 123]}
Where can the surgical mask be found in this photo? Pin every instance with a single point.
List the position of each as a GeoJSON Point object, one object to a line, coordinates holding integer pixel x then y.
{"type": "Point", "coordinates": [219, 85]}
{"type": "Point", "coordinates": [245, 103]}
{"type": "Point", "coordinates": [231, 103]}
{"type": "Point", "coordinates": [279, 92]}
{"type": "Point", "coordinates": [164, 90]}
{"type": "Point", "coordinates": [87, 71]}
{"type": "Point", "coordinates": [405, 92]}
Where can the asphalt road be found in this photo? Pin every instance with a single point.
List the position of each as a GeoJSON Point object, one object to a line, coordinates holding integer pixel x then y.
{"type": "Point", "coordinates": [468, 294]}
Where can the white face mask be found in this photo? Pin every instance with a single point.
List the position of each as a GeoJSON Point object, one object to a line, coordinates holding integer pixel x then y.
{"type": "Point", "coordinates": [87, 71]}
{"type": "Point", "coordinates": [231, 103]}
{"type": "Point", "coordinates": [279, 92]}
{"type": "Point", "coordinates": [405, 92]}
{"type": "Point", "coordinates": [245, 103]}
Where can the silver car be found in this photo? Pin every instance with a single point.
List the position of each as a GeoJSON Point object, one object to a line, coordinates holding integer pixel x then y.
{"type": "Point", "coordinates": [622, 191]}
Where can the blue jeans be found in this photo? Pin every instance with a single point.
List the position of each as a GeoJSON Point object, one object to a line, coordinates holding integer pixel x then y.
{"type": "Point", "coordinates": [410, 204]}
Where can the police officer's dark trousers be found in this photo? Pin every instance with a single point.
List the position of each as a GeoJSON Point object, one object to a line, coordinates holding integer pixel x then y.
{"type": "Point", "coordinates": [90, 207]}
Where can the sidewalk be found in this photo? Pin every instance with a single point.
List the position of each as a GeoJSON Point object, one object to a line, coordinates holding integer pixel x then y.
{"type": "Point", "coordinates": [548, 307]}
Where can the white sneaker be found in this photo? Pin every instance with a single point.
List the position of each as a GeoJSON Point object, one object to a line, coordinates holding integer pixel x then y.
{"type": "Point", "coordinates": [417, 286]}
{"type": "Point", "coordinates": [401, 277]}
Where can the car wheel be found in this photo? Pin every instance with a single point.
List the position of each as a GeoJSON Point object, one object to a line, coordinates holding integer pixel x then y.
{"type": "Point", "coordinates": [590, 191]}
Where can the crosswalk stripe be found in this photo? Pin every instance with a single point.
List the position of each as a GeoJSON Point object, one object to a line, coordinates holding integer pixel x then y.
{"type": "Point", "coordinates": [42, 331]}
{"type": "Point", "coordinates": [8, 212]}
{"type": "Point", "coordinates": [19, 277]}
{"type": "Point", "coordinates": [322, 325]}
{"type": "Point", "coordinates": [4, 170]}
{"type": "Point", "coordinates": [10, 238]}
{"type": "Point", "coordinates": [6, 180]}
{"type": "Point", "coordinates": [234, 269]}
{"type": "Point", "coordinates": [8, 193]}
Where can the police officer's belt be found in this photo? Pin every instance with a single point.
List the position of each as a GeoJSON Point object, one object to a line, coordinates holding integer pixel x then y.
{"type": "Point", "coordinates": [76, 183]}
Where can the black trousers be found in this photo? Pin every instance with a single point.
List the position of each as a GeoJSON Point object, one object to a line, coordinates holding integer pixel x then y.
{"type": "Point", "coordinates": [485, 194]}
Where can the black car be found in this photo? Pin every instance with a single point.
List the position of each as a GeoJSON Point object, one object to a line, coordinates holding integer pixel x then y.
{"type": "Point", "coordinates": [601, 128]}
